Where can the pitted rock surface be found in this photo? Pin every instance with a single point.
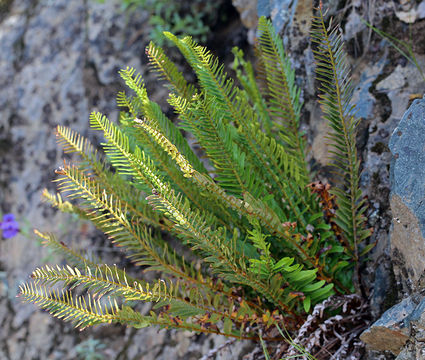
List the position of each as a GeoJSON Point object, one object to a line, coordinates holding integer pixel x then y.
{"type": "Point", "coordinates": [407, 146]}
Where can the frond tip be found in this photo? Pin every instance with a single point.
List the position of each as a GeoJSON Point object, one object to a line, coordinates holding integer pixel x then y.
{"type": "Point", "coordinates": [83, 312]}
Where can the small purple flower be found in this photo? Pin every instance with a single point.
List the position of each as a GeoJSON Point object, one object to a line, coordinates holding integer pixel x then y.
{"type": "Point", "coordinates": [9, 226]}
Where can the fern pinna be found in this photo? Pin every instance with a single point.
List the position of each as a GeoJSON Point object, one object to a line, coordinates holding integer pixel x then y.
{"type": "Point", "coordinates": [268, 243]}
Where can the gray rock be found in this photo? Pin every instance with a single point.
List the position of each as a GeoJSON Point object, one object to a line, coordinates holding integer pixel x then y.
{"type": "Point", "coordinates": [363, 99]}
{"type": "Point", "coordinates": [421, 10]}
{"type": "Point", "coordinates": [409, 12]}
{"type": "Point", "coordinates": [417, 317]}
{"type": "Point", "coordinates": [400, 330]}
{"type": "Point", "coordinates": [281, 11]}
{"type": "Point", "coordinates": [408, 194]}
{"type": "Point", "coordinates": [248, 12]}
{"type": "Point", "coordinates": [292, 16]}
{"type": "Point", "coordinates": [391, 331]}
{"type": "Point", "coordinates": [407, 354]}
{"type": "Point", "coordinates": [39, 337]}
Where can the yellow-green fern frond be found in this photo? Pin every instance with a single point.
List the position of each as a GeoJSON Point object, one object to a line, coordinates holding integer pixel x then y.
{"type": "Point", "coordinates": [109, 215]}
{"type": "Point", "coordinates": [81, 311]}
{"type": "Point", "coordinates": [103, 280]}
{"type": "Point", "coordinates": [128, 161]}
{"type": "Point", "coordinates": [134, 81]}
{"type": "Point", "coordinates": [56, 201]}
{"type": "Point", "coordinates": [163, 142]}
{"type": "Point", "coordinates": [167, 70]}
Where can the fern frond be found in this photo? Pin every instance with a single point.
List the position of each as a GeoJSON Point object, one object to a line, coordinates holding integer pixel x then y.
{"type": "Point", "coordinates": [212, 78]}
{"type": "Point", "coordinates": [141, 105]}
{"type": "Point", "coordinates": [75, 258]}
{"type": "Point", "coordinates": [128, 162]}
{"type": "Point", "coordinates": [220, 253]}
{"type": "Point", "coordinates": [292, 282]}
{"type": "Point", "coordinates": [333, 73]}
{"type": "Point", "coordinates": [109, 215]}
{"type": "Point", "coordinates": [72, 142]}
{"type": "Point", "coordinates": [165, 320]}
{"type": "Point", "coordinates": [82, 312]}
{"type": "Point", "coordinates": [55, 200]}
{"type": "Point", "coordinates": [168, 71]}
{"type": "Point", "coordinates": [103, 280]}
{"type": "Point", "coordinates": [208, 134]}
{"type": "Point", "coordinates": [250, 85]}
{"type": "Point", "coordinates": [282, 93]}
{"type": "Point", "coordinates": [167, 146]}
{"type": "Point", "coordinates": [134, 81]}
{"type": "Point", "coordinates": [231, 101]}
{"type": "Point", "coordinates": [181, 300]}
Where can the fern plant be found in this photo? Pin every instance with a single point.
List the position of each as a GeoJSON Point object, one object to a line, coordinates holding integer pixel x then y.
{"type": "Point", "coordinates": [265, 243]}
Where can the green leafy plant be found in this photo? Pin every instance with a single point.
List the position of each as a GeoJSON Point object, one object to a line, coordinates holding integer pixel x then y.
{"type": "Point", "coordinates": [262, 244]}
{"type": "Point", "coordinates": [89, 349]}
{"type": "Point", "coordinates": [179, 17]}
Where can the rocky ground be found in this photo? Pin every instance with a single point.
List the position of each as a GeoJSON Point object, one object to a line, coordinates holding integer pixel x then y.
{"type": "Point", "coordinates": [59, 61]}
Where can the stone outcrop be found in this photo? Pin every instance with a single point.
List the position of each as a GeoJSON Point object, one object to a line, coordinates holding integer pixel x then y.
{"type": "Point", "coordinates": [408, 197]}
{"type": "Point", "coordinates": [392, 330]}
{"type": "Point", "coordinates": [401, 329]}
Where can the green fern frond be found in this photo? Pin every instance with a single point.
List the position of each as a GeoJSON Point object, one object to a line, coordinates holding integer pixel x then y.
{"type": "Point", "coordinates": [164, 320]}
{"type": "Point", "coordinates": [168, 71]}
{"type": "Point", "coordinates": [131, 105]}
{"type": "Point", "coordinates": [216, 138]}
{"type": "Point", "coordinates": [223, 255]}
{"type": "Point", "coordinates": [72, 142]}
{"type": "Point", "coordinates": [109, 215]}
{"type": "Point", "coordinates": [282, 93]}
{"type": "Point", "coordinates": [250, 85]}
{"type": "Point", "coordinates": [212, 78]}
{"type": "Point", "coordinates": [333, 74]}
{"type": "Point", "coordinates": [134, 81]}
{"type": "Point", "coordinates": [183, 301]}
{"type": "Point", "coordinates": [292, 282]}
{"type": "Point", "coordinates": [141, 105]}
{"type": "Point", "coordinates": [134, 163]}
{"type": "Point", "coordinates": [162, 141]}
